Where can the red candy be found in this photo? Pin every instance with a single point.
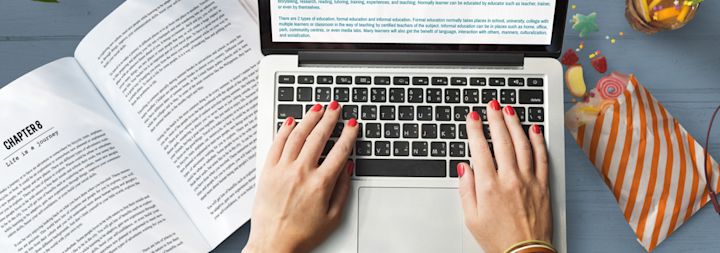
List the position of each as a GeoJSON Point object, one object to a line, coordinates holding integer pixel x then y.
{"type": "Point", "coordinates": [569, 58]}
{"type": "Point", "coordinates": [610, 87]}
{"type": "Point", "coordinates": [600, 64]}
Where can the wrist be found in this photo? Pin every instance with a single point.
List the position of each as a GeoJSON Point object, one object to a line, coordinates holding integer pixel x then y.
{"type": "Point", "coordinates": [268, 247]}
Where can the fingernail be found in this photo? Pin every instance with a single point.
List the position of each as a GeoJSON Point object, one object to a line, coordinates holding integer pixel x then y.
{"type": "Point", "coordinates": [510, 110]}
{"type": "Point", "coordinates": [495, 105]}
{"type": "Point", "coordinates": [350, 167]}
{"type": "Point", "coordinates": [460, 169]}
{"type": "Point", "coordinates": [536, 129]}
{"type": "Point", "coordinates": [352, 122]}
{"type": "Point", "coordinates": [474, 116]}
{"type": "Point", "coordinates": [316, 108]}
{"type": "Point", "coordinates": [334, 105]}
{"type": "Point", "coordinates": [289, 121]}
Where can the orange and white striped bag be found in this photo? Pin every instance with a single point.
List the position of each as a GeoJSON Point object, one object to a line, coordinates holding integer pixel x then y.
{"type": "Point", "coordinates": [648, 160]}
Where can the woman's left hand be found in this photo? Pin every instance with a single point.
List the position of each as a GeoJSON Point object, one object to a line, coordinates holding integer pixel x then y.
{"type": "Point", "coordinates": [298, 202]}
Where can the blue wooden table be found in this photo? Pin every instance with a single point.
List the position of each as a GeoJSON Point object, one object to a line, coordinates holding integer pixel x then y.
{"type": "Point", "coordinates": [681, 68]}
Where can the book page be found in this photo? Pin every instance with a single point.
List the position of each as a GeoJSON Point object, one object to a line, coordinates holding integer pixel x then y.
{"type": "Point", "coordinates": [182, 76]}
{"type": "Point", "coordinates": [72, 178]}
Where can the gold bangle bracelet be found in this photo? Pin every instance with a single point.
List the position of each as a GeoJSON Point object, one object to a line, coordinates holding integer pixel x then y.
{"type": "Point", "coordinates": [528, 242]}
{"type": "Point", "coordinates": [534, 248]}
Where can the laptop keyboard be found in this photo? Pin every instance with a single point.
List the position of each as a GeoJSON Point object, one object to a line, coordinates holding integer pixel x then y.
{"type": "Point", "coordinates": [410, 125]}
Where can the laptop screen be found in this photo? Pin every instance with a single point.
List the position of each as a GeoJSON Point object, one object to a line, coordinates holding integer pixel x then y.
{"type": "Point", "coordinates": [498, 22]}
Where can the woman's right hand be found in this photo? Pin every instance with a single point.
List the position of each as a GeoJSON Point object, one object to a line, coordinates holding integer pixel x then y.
{"type": "Point", "coordinates": [509, 202]}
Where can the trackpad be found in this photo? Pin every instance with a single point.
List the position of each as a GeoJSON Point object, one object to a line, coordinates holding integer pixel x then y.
{"type": "Point", "coordinates": [409, 220]}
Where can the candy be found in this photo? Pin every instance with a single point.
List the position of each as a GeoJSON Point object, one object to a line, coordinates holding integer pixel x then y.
{"type": "Point", "coordinates": [621, 34]}
{"type": "Point", "coordinates": [600, 64]}
{"type": "Point", "coordinates": [665, 14]}
{"type": "Point", "coordinates": [610, 87]}
{"type": "Point", "coordinates": [612, 41]}
{"type": "Point", "coordinates": [575, 81]}
{"type": "Point", "coordinates": [585, 24]}
{"type": "Point", "coordinates": [569, 58]}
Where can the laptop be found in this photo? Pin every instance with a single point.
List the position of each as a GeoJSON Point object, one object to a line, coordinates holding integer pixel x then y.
{"type": "Point", "coordinates": [410, 71]}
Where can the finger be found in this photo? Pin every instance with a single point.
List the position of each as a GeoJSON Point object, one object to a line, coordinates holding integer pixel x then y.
{"type": "Point", "coordinates": [340, 192]}
{"type": "Point", "coordinates": [540, 154]}
{"type": "Point", "coordinates": [467, 189]}
{"type": "Point", "coordinates": [484, 167]}
{"type": "Point", "coordinates": [338, 155]}
{"type": "Point", "coordinates": [279, 142]}
{"type": "Point", "coordinates": [296, 140]}
{"type": "Point", "coordinates": [315, 142]}
{"type": "Point", "coordinates": [523, 152]}
{"type": "Point", "coordinates": [504, 151]}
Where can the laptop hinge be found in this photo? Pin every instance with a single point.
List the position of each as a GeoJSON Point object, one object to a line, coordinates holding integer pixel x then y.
{"type": "Point", "coordinates": [410, 58]}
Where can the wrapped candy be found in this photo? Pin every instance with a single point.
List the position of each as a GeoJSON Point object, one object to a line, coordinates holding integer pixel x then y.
{"type": "Point", "coordinates": [651, 16]}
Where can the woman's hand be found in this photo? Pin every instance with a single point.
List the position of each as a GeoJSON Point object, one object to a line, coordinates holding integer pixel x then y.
{"type": "Point", "coordinates": [509, 202]}
{"type": "Point", "coordinates": [299, 202]}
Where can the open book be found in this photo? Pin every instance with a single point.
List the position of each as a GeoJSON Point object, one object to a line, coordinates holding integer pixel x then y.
{"type": "Point", "coordinates": [143, 142]}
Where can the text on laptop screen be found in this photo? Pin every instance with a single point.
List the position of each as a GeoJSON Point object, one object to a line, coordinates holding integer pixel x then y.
{"type": "Point", "coordinates": [524, 22]}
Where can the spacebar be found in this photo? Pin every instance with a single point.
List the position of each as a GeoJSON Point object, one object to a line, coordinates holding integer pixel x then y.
{"type": "Point", "coordinates": [400, 168]}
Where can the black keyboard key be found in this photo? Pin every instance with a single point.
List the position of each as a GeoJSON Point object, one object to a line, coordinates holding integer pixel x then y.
{"type": "Point", "coordinates": [439, 81]}
{"type": "Point", "coordinates": [438, 149]}
{"type": "Point", "coordinates": [322, 94]}
{"type": "Point", "coordinates": [337, 130]}
{"type": "Point", "coordinates": [360, 130]}
{"type": "Point", "coordinates": [486, 131]}
{"type": "Point", "coordinates": [397, 95]}
{"type": "Point", "coordinates": [406, 113]}
{"type": "Point", "coordinates": [387, 112]}
{"type": "Point", "coordinates": [401, 148]}
{"type": "Point", "coordinates": [508, 96]}
{"type": "Point", "coordinates": [373, 130]}
{"type": "Point", "coordinates": [516, 82]}
{"type": "Point", "coordinates": [304, 94]}
{"type": "Point", "coordinates": [471, 96]}
{"type": "Point", "coordinates": [531, 96]}
{"type": "Point", "coordinates": [410, 131]}
{"type": "Point", "coordinates": [378, 95]}
{"type": "Point", "coordinates": [324, 79]}
{"type": "Point", "coordinates": [462, 131]}
{"type": "Point", "coordinates": [428, 131]}
{"type": "Point", "coordinates": [452, 96]}
{"type": "Point", "coordinates": [279, 125]}
{"type": "Point", "coordinates": [360, 95]}
{"type": "Point", "coordinates": [400, 168]}
{"type": "Point", "coordinates": [327, 148]}
{"type": "Point", "coordinates": [415, 95]}
{"type": "Point", "coordinates": [286, 93]}
{"type": "Point", "coordinates": [460, 113]}
{"type": "Point", "coordinates": [382, 80]}
{"type": "Point", "coordinates": [447, 131]}
{"type": "Point", "coordinates": [434, 95]}
{"type": "Point", "coordinates": [368, 112]}
{"type": "Point", "coordinates": [419, 148]}
{"type": "Point", "coordinates": [520, 113]}
{"type": "Point", "coordinates": [535, 82]}
{"type": "Point", "coordinates": [342, 94]}
{"type": "Point", "coordinates": [286, 79]}
{"type": "Point", "coordinates": [497, 81]}
{"type": "Point", "coordinates": [478, 81]}
{"type": "Point", "coordinates": [459, 81]}
{"type": "Point", "coordinates": [344, 80]}
{"type": "Point", "coordinates": [536, 114]}
{"type": "Point", "coordinates": [488, 95]}
{"type": "Point", "coordinates": [453, 166]}
{"type": "Point", "coordinates": [294, 111]}
{"type": "Point", "coordinates": [392, 130]}
{"type": "Point", "coordinates": [382, 148]}
{"type": "Point", "coordinates": [420, 81]}
{"type": "Point", "coordinates": [349, 112]}
{"type": "Point", "coordinates": [482, 110]}
{"type": "Point", "coordinates": [424, 113]}
{"type": "Point", "coordinates": [401, 80]}
{"type": "Point", "coordinates": [362, 80]}
{"type": "Point", "coordinates": [443, 113]}
{"type": "Point", "coordinates": [363, 148]}
{"type": "Point", "coordinates": [306, 79]}
{"type": "Point", "coordinates": [457, 149]}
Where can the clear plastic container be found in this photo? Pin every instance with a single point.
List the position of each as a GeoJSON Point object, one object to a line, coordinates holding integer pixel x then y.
{"type": "Point", "coordinates": [651, 16]}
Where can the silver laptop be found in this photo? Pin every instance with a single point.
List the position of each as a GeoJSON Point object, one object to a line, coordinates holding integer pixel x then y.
{"type": "Point", "coordinates": [410, 71]}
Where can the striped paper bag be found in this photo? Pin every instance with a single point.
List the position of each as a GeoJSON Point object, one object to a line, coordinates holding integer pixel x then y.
{"type": "Point", "coordinates": [651, 164]}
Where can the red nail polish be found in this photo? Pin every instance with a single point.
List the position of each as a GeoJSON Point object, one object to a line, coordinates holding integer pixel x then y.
{"type": "Point", "coordinates": [352, 122]}
{"type": "Point", "coordinates": [510, 110]}
{"type": "Point", "coordinates": [289, 121]}
{"type": "Point", "coordinates": [316, 108]}
{"type": "Point", "coordinates": [334, 105]}
{"type": "Point", "coordinates": [495, 105]}
{"type": "Point", "coordinates": [536, 129]}
{"type": "Point", "coordinates": [460, 169]}
{"type": "Point", "coordinates": [474, 116]}
{"type": "Point", "coordinates": [350, 167]}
